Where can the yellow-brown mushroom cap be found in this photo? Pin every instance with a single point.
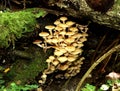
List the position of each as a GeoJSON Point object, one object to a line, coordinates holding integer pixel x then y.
{"type": "Point", "coordinates": [43, 34]}
{"type": "Point", "coordinates": [63, 67]}
{"type": "Point", "coordinates": [70, 23]}
{"type": "Point", "coordinates": [62, 59]}
{"type": "Point", "coordinates": [70, 48]}
{"type": "Point", "coordinates": [63, 19]}
{"type": "Point", "coordinates": [37, 42]}
{"type": "Point", "coordinates": [71, 58]}
{"type": "Point", "coordinates": [49, 27]}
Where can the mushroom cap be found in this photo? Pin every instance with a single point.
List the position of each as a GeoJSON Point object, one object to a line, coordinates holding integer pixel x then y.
{"type": "Point", "coordinates": [55, 41]}
{"type": "Point", "coordinates": [51, 57]}
{"type": "Point", "coordinates": [63, 67]}
{"type": "Point", "coordinates": [49, 60]}
{"type": "Point", "coordinates": [49, 27]}
{"type": "Point", "coordinates": [58, 28]}
{"type": "Point", "coordinates": [84, 34]}
{"type": "Point", "coordinates": [63, 18]}
{"type": "Point", "coordinates": [70, 23]}
{"type": "Point", "coordinates": [73, 29]}
{"type": "Point", "coordinates": [71, 58]}
{"type": "Point", "coordinates": [78, 35]}
{"type": "Point", "coordinates": [62, 59]}
{"type": "Point", "coordinates": [70, 48]}
{"type": "Point", "coordinates": [43, 34]}
{"type": "Point", "coordinates": [63, 50]}
{"type": "Point", "coordinates": [63, 25]}
{"type": "Point", "coordinates": [83, 39]}
{"type": "Point", "coordinates": [77, 51]}
{"type": "Point", "coordinates": [44, 76]}
{"type": "Point", "coordinates": [70, 33]}
{"type": "Point", "coordinates": [69, 40]}
{"type": "Point", "coordinates": [58, 53]}
{"type": "Point", "coordinates": [55, 62]}
{"type": "Point", "coordinates": [37, 42]}
{"type": "Point", "coordinates": [57, 22]}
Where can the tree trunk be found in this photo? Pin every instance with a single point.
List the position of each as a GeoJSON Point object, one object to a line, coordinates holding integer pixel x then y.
{"type": "Point", "coordinates": [104, 12]}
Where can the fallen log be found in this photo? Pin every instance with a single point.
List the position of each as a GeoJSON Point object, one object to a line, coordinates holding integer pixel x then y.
{"type": "Point", "coordinates": [103, 12]}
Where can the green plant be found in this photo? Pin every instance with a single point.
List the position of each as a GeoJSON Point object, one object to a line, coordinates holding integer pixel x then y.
{"type": "Point", "coordinates": [88, 87]}
{"type": "Point", "coordinates": [15, 87]}
{"type": "Point", "coordinates": [103, 87]}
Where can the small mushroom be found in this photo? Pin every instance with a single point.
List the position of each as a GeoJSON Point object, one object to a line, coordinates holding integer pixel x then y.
{"type": "Point", "coordinates": [70, 48]}
{"type": "Point", "coordinates": [70, 23]}
{"type": "Point", "coordinates": [83, 39]}
{"type": "Point", "coordinates": [77, 51]}
{"type": "Point", "coordinates": [50, 28]}
{"type": "Point", "coordinates": [71, 58]}
{"type": "Point", "coordinates": [37, 42]}
{"type": "Point", "coordinates": [63, 19]}
{"type": "Point", "coordinates": [64, 26]}
{"type": "Point", "coordinates": [44, 34]}
{"type": "Point", "coordinates": [57, 22]}
{"type": "Point", "coordinates": [113, 75]}
{"type": "Point", "coordinates": [70, 40]}
{"type": "Point", "coordinates": [63, 67]}
{"type": "Point", "coordinates": [73, 29]}
{"type": "Point", "coordinates": [70, 33]}
{"type": "Point", "coordinates": [55, 62]}
{"type": "Point", "coordinates": [58, 53]}
{"type": "Point", "coordinates": [62, 59]}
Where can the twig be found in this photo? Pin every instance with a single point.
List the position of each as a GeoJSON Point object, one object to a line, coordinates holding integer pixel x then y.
{"type": "Point", "coordinates": [116, 48]}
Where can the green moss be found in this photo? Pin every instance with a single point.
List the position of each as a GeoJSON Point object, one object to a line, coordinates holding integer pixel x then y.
{"type": "Point", "coordinates": [25, 70]}
{"type": "Point", "coordinates": [14, 24]}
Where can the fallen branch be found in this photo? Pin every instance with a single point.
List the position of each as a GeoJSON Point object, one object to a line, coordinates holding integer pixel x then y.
{"type": "Point", "coordinates": [116, 48]}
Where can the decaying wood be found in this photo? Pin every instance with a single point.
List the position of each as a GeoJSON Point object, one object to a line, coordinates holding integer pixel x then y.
{"type": "Point", "coordinates": [79, 8]}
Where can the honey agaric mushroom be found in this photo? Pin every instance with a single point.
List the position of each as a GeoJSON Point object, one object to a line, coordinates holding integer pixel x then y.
{"type": "Point", "coordinates": [49, 60]}
{"type": "Point", "coordinates": [55, 62]}
{"type": "Point", "coordinates": [57, 22]}
{"type": "Point", "coordinates": [37, 42]}
{"type": "Point", "coordinates": [63, 67]}
{"type": "Point", "coordinates": [84, 34]}
{"type": "Point", "coordinates": [77, 51]}
{"type": "Point", "coordinates": [71, 58]}
{"type": "Point", "coordinates": [62, 33]}
{"type": "Point", "coordinates": [73, 29]}
{"type": "Point", "coordinates": [55, 41]}
{"type": "Point", "coordinates": [58, 28]}
{"type": "Point", "coordinates": [62, 59]}
{"type": "Point", "coordinates": [52, 57]}
{"type": "Point", "coordinates": [69, 40]}
{"type": "Point", "coordinates": [63, 19]}
{"type": "Point", "coordinates": [50, 28]}
{"type": "Point", "coordinates": [64, 26]}
{"type": "Point", "coordinates": [44, 34]}
{"type": "Point", "coordinates": [70, 23]}
{"type": "Point", "coordinates": [83, 39]}
{"type": "Point", "coordinates": [70, 33]}
{"type": "Point", "coordinates": [70, 48]}
{"type": "Point", "coordinates": [44, 76]}
{"type": "Point", "coordinates": [58, 53]}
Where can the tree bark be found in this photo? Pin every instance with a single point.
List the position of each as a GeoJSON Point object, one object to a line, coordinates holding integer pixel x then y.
{"type": "Point", "coordinates": [81, 8]}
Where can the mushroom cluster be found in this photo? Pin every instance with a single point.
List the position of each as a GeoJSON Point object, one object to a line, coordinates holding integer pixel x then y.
{"type": "Point", "coordinates": [67, 38]}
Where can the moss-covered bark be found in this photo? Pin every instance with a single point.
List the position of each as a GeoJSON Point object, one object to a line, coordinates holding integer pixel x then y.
{"type": "Point", "coordinates": [80, 8]}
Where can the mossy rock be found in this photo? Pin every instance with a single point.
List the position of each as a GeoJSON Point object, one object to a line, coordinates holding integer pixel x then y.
{"type": "Point", "coordinates": [14, 24]}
